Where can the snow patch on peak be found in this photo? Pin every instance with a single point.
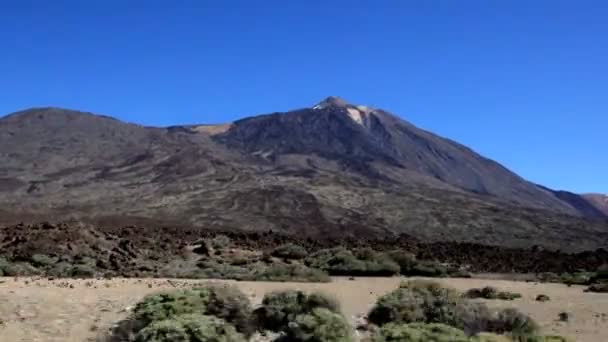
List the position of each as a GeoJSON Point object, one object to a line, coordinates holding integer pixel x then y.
{"type": "Point", "coordinates": [356, 114]}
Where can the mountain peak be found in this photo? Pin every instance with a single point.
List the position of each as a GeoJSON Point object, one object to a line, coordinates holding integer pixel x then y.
{"type": "Point", "coordinates": [357, 113]}
{"type": "Point", "coordinates": [333, 101]}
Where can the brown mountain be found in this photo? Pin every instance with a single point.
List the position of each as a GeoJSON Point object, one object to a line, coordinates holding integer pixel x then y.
{"type": "Point", "coordinates": [599, 201]}
{"type": "Point", "coordinates": [333, 169]}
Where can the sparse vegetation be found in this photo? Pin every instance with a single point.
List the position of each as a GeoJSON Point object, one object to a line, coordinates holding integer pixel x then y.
{"type": "Point", "coordinates": [430, 303]}
{"type": "Point", "coordinates": [287, 272]}
{"type": "Point", "coordinates": [599, 288]}
{"type": "Point", "coordinates": [42, 260]}
{"type": "Point", "coordinates": [220, 242]}
{"type": "Point", "coordinates": [411, 267]}
{"type": "Point", "coordinates": [290, 251]}
{"type": "Point", "coordinates": [489, 292]}
{"type": "Point", "coordinates": [340, 261]}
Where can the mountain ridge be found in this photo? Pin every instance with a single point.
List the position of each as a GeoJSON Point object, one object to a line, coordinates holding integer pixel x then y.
{"type": "Point", "coordinates": [319, 171]}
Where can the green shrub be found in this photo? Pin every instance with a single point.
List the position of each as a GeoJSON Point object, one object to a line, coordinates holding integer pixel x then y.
{"type": "Point", "coordinates": [278, 309]}
{"type": "Point", "coordinates": [226, 303]}
{"type": "Point", "coordinates": [506, 295]}
{"type": "Point", "coordinates": [488, 337]}
{"type": "Point", "coordinates": [601, 275]}
{"type": "Point", "coordinates": [553, 338]}
{"type": "Point", "coordinates": [287, 272]}
{"type": "Point", "coordinates": [578, 278]}
{"type": "Point", "coordinates": [342, 262]}
{"type": "Point", "coordinates": [473, 317]}
{"type": "Point", "coordinates": [61, 269]}
{"type": "Point", "coordinates": [542, 298]}
{"type": "Point", "coordinates": [190, 328]}
{"type": "Point", "coordinates": [320, 325]}
{"type": "Point", "coordinates": [215, 270]}
{"type": "Point", "coordinates": [549, 277]}
{"type": "Point", "coordinates": [490, 292]}
{"type": "Point", "coordinates": [599, 288]}
{"type": "Point", "coordinates": [3, 265]}
{"type": "Point", "coordinates": [417, 332]}
{"type": "Point", "coordinates": [20, 269]}
{"type": "Point", "coordinates": [221, 242]}
{"type": "Point", "coordinates": [411, 267]}
{"type": "Point", "coordinates": [428, 269]}
{"type": "Point", "coordinates": [230, 304]}
{"type": "Point", "coordinates": [82, 271]}
{"type": "Point", "coordinates": [42, 260]}
{"type": "Point", "coordinates": [400, 306]}
{"type": "Point", "coordinates": [290, 251]}
{"type": "Point", "coordinates": [417, 301]}
{"type": "Point", "coordinates": [511, 321]}
{"type": "Point", "coordinates": [405, 260]}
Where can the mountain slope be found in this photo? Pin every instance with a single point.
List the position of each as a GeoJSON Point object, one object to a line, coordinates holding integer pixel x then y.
{"type": "Point", "coordinates": [599, 201]}
{"type": "Point", "coordinates": [334, 169]}
{"type": "Point", "coordinates": [357, 136]}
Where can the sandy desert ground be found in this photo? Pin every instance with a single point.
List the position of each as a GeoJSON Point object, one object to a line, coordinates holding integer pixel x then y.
{"type": "Point", "coordinates": [80, 310]}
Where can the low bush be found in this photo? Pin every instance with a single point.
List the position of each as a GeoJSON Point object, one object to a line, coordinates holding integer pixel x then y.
{"type": "Point", "coordinates": [488, 337]}
{"type": "Point", "coordinates": [506, 295]}
{"type": "Point", "coordinates": [578, 278]}
{"type": "Point", "coordinates": [514, 323]}
{"type": "Point", "coordinates": [20, 269]}
{"type": "Point", "coordinates": [342, 262]}
{"type": "Point", "coordinates": [549, 277]}
{"type": "Point", "coordinates": [601, 275]}
{"type": "Point", "coordinates": [490, 292]}
{"type": "Point", "coordinates": [417, 332]}
{"type": "Point", "coordinates": [226, 303]}
{"type": "Point", "coordinates": [428, 302]}
{"type": "Point", "coordinates": [290, 251]}
{"type": "Point", "coordinates": [215, 270]}
{"type": "Point", "coordinates": [82, 271]}
{"type": "Point", "coordinates": [399, 306]}
{"type": "Point", "coordinates": [404, 259]}
{"type": "Point", "coordinates": [474, 317]}
{"type": "Point", "coordinates": [3, 265]}
{"type": "Point", "coordinates": [427, 269]}
{"type": "Point", "coordinates": [320, 325]}
{"type": "Point", "coordinates": [190, 328]}
{"type": "Point", "coordinates": [287, 272]}
{"type": "Point", "coordinates": [278, 309]}
{"type": "Point", "coordinates": [417, 301]}
{"type": "Point", "coordinates": [563, 316]}
{"type": "Point", "coordinates": [411, 267]}
{"type": "Point", "coordinates": [42, 260]}
{"type": "Point", "coordinates": [599, 288]}
{"type": "Point", "coordinates": [220, 242]}
{"type": "Point", "coordinates": [542, 298]}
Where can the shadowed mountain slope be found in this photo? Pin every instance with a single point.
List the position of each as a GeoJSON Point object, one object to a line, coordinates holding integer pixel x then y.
{"type": "Point", "coordinates": [599, 201]}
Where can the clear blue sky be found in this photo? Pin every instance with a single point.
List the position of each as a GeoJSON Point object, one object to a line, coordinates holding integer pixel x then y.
{"type": "Point", "coordinates": [522, 82]}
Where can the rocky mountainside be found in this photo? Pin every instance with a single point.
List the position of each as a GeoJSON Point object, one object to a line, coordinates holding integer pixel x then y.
{"type": "Point", "coordinates": [599, 201]}
{"type": "Point", "coordinates": [334, 169]}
